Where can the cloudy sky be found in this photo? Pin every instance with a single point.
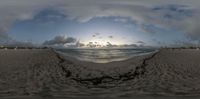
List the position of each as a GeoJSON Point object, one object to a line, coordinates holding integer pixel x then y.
{"type": "Point", "coordinates": [151, 22]}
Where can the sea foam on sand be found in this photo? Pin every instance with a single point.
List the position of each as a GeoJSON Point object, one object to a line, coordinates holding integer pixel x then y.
{"type": "Point", "coordinates": [45, 73]}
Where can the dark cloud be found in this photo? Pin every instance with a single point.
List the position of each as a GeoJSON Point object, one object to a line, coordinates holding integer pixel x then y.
{"type": "Point", "coordinates": [110, 37]}
{"type": "Point", "coordinates": [95, 34]}
{"type": "Point", "coordinates": [140, 42]}
{"type": "Point", "coordinates": [91, 45]}
{"type": "Point", "coordinates": [182, 18]}
{"type": "Point", "coordinates": [60, 40]}
{"type": "Point", "coordinates": [109, 44]}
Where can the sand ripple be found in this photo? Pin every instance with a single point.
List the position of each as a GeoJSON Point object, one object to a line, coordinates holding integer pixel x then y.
{"type": "Point", "coordinates": [169, 72]}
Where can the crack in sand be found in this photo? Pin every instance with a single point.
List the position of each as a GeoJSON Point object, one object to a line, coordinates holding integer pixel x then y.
{"type": "Point", "coordinates": [132, 74]}
{"type": "Point", "coordinates": [139, 71]}
{"type": "Point", "coordinates": [61, 61]}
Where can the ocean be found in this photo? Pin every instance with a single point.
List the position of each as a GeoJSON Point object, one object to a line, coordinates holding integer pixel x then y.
{"type": "Point", "coordinates": [104, 55]}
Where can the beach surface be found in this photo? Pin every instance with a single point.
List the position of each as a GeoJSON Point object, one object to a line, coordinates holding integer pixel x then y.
{"type": "Point", "coordinates": [168, 73]}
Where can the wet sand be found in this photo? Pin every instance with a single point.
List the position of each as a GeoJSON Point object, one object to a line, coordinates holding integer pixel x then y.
{"type": "Point", "coordinates": [43, 73]}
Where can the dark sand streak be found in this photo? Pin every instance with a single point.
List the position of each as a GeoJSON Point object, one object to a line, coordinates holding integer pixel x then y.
{"type": "Point", "coordinates": [62, 60]}
{"type": "Point", "coordinates": [139, 71]}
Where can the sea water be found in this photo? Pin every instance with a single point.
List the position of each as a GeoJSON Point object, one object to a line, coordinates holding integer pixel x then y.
{"type": "Point", "coordinates": [104, 55]}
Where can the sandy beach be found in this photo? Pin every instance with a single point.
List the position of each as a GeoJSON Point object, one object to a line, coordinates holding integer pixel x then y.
{"type": "Point", "coordinates": [45, 73]}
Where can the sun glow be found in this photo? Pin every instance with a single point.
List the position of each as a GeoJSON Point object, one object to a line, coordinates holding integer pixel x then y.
{"type": "Point", "coordinates": [99, 43]}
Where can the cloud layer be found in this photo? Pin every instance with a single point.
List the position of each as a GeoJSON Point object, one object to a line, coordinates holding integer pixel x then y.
{"type": "Point", "coordinates": [60, 40]}
{"type": "Point", "coordinates": [181, 15]}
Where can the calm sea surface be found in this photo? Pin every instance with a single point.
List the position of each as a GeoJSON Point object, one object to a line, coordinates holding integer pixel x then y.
{"type": "Point", "coordinates": [104, 55]}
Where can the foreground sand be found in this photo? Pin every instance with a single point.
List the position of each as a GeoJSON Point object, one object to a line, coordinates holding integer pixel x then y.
{"type": "Point", "coordinates": [42, 72]}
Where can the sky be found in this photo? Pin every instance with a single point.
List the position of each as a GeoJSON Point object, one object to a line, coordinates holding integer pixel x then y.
{"type": "Point", "coordinates": [100, 22]}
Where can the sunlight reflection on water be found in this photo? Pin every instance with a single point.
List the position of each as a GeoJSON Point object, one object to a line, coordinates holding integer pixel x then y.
{"type": "Point", "coordinates": [104, 55]}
